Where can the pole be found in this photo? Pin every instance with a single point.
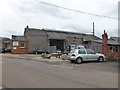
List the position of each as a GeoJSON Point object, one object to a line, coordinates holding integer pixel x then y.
{"type": "Point", "coordinates": [93, 29]}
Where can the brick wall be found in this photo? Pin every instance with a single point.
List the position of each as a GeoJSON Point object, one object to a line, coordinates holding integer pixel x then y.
{"type": "Point", "coordinates": [106, 48]}
{"type": "Point", "coordinates": [97, 47]}
{"type": "Point", "coordinates": [17, 49]}
{"type": "Point", "coordinates": [105, 43]}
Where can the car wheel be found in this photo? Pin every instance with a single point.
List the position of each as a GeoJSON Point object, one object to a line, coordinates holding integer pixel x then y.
{"type": "Point", "coordinates": [101, 59]}
{"type": "Point", "coordinates": [72, 61]}
{"type": "Point", "coordinates": [79, 60]}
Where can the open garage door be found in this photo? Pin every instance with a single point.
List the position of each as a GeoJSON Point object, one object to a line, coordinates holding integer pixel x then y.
{"type": "Point", "coordinates": [58, 43]}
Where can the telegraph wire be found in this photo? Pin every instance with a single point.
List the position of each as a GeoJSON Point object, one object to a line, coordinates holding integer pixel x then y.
{"type": "Point", "coordinates": [76, 10]}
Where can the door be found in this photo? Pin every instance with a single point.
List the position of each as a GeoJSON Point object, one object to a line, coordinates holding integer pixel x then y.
{"type": "Point", "coordinates": [91, 55]}
{"type": "Point", "coordinates": [82, 54]}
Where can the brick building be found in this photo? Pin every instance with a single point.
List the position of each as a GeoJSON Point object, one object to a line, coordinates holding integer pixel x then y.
{"type": "Point", "coordinates": [109, 47]}
{"type": "Point", "coordinates": [19, 44]}
{"type": "Point", "coordinates": [46, 39]}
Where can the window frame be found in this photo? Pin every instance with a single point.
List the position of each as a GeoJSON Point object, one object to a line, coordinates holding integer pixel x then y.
{"type": "Point", "coordinates": [114, 47]}
{"type": "Point", "coordinates": [22, 44]}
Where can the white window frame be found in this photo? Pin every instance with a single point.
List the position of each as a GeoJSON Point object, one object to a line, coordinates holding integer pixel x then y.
{"type": "Point", "coordinates": [22, 46]}
{"type": "Point", "coordinates": [15, 43]}
{"type": "Point", "coordinates": [112, 50]}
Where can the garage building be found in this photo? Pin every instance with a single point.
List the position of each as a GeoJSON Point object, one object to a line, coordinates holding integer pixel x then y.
{"type": "Point", "coordinates": [47, 39]}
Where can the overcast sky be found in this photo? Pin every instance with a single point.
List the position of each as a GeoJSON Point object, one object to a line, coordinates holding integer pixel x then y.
{"type": "Point", "coordinates": [15, 15]}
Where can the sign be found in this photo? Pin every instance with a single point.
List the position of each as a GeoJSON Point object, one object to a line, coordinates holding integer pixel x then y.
{"type": "Point", "coordinates": [14, 47]}
{"type": "Point", "coordinates": [15, 43]}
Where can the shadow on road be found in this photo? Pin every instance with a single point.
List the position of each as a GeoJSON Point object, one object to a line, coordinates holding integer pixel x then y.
{"type": "Point", "coordinates": [86, 62]}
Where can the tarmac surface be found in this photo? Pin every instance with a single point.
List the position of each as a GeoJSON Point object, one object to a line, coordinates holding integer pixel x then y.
{"type": "Point", "coordinates": [32, 71]}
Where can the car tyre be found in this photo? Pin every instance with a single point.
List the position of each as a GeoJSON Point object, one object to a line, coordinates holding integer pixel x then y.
{"type": "Point", "coordinates": [79, 60]}
{"type": "Point", "coordinates": [101, 59]}
{"type": "Point", "coordinates": [72, 61]}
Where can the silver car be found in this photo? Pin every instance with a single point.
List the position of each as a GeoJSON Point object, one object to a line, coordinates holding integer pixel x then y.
{"type": "Point", "coordinates": [79, 55]}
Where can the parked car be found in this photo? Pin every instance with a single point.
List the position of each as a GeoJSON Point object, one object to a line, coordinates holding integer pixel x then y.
{"type": "Point", "coordinates": [79, 55]}
{"type": "Point", "coordinates": [39, 51]}
{"type": "Point", "coordinates": [8, 50]}
{"type": "Point", "coordinates": [2, 51]}
{"type": "Point", "coordinates": [5, 50]}
{"type": "Point", "coordinates": [76, 47]}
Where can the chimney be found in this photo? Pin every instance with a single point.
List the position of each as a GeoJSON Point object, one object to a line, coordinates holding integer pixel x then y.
{"type": "Point", "coordinates": [27, 27]}
{"type": "Point", "coordinates": [25, 30]}
{"type": "Point", "coordinates": [105, 43]}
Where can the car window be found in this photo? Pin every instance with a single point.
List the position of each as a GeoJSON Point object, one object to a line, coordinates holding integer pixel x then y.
{"type": "Point", "coordinates": [81, 51]}
{"type": "Point", "coordinates": [90, 52]}
{"type": "Point", "coordinates": [72, 51]}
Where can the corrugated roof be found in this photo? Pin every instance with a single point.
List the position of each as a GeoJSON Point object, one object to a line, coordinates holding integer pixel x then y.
{"type": "Point", "coordinates": [110, 42]}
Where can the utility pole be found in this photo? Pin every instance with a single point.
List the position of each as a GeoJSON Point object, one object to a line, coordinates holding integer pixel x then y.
{"type": "Point", "coordinates": [93, 29]}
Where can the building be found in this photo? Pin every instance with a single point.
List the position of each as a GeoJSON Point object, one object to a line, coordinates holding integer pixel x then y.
{"type": "Point", "coordinates": [109, 47]}
{"type": "Point", "coordinates": [46, 39]}
{"type": "Point", "coordinates": [5, 43]}
{"type": "Point", "coordinates": [19, 44]}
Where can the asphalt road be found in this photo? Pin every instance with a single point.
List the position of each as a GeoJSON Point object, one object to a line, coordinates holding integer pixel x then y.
{"type": "Point", "coordinates": [0, 71]}
{"type": "Point", "coordinates": [23, 73]}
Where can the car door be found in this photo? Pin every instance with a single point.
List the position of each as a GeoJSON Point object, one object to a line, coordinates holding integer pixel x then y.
{"type": "Point", "coordinates": [91, 55]}
{"type": "Point", "coordinates": [82, 54]}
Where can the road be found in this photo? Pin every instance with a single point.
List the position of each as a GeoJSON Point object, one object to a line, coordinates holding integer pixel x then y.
{"type": "Point", "coordinates": [23, 73]}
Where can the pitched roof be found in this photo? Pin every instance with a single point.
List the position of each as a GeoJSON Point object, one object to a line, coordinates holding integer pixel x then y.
{"type": "Point", "coordinates": [114, 38]}
{"type": "Point", "coordinates": [19, 38]}
{"type": "Point", "coordinates": [35, 32]}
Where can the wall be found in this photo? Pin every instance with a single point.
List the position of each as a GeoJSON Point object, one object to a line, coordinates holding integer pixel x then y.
{"type": "Point", "coordinates": [113, 55]}
{"type": "Point", "coordinates": [97, 47]}
{"type": "Point", "coordinates": [37, 42]}
{"type": "Point", "coordinates": [18, 50]}
{"type": "Point", "coordinates": [40, 39]}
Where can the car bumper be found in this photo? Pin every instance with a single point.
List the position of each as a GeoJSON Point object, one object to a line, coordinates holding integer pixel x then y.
{"type": "Point", "coordinates": [71, 58]}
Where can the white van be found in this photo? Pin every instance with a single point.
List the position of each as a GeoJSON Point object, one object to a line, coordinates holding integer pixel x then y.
{"type": "Point", "coordinates": [76, 47]}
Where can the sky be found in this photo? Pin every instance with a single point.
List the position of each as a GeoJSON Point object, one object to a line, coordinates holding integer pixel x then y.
{"type": "Point", "coordinates": [15, 15]}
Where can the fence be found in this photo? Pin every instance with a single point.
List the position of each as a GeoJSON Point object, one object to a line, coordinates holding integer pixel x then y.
{"type": "Point", "coordinates": [96, 48]}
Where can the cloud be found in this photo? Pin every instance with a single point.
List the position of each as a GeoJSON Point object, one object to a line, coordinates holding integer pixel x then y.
{"type": "Point", "coordinates": [11, 32]}
{"type": "Point", "coordinates": [113, 12]}
{"type": "Point", "coordinates": [39, 8]}
{"type": "Point", "coordinates": [76, 28]}
{"type": "Point", "coordinates": [16, 14]}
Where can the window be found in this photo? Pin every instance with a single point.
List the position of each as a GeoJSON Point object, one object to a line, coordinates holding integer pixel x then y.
{"type": "Point", "coordinates": [72, 51]}
{"type": "Point", "coordinates": [22, 45]}
{"type": "Point", "coordinates": [15, 43]}
{"type": "Point", "coordinates": [113, 49]}
{"type": "Point", "coordinates": [90, 51]}
{"type": "Point", "coordinates": [81, 51]}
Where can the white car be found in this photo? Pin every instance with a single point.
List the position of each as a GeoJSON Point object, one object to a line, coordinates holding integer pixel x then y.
{"type": "Point", "coordinates": [79, 55]}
